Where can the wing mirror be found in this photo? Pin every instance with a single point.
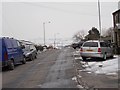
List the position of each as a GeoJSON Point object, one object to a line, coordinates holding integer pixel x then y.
{"type": "Point", "coordinates": [23, 47]}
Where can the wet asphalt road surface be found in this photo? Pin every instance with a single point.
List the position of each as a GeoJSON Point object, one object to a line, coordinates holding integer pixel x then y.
{"type": "Point", "coordinates": [56, 69]}
{"type": "Point", "coordinates": [51, 69]}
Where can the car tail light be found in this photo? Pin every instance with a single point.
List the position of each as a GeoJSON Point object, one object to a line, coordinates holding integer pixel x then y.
{"type": "Point", "coordinates": [81, 49]}
{"type": "Point", "coordinates": [5, 56]}
{"type": "Point", "coordinates": [99, 49]}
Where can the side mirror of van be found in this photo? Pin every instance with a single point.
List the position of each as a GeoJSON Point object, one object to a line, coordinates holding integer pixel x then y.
{"type": "Point", "coordinates": [22, 46]}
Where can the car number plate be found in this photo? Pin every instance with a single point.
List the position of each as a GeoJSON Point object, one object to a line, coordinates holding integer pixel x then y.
{"type": "Point", "coordinates": [89, 50]}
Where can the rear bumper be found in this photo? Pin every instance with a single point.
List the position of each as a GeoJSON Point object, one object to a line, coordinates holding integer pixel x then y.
{"type": "Point", "coordinates": [91, 55]}
{"type": "Point", "coordinates": [3, 63]}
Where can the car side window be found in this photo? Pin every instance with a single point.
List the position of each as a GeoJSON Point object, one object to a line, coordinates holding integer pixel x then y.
{"type": "Point", "coordinates": [104, 44]}
{"type": "Point", "coordinates": [32, 47]}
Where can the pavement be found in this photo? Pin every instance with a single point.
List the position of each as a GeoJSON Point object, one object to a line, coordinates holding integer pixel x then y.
{"type": "Point", "coordinates": [90, 80]}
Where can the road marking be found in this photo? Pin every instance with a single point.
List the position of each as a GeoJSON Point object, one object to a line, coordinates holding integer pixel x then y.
{"type": "Point", "coordinates": [89, 72]}
{"type": "Point", "coordinates": [39, 85]}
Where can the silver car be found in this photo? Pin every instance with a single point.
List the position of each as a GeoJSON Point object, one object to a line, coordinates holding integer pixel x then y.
{"type": "Point", "coordinates": [96, 49]}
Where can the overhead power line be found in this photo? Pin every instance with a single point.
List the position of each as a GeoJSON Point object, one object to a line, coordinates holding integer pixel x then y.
{"type": "Point", "coordinates": [61, 10]}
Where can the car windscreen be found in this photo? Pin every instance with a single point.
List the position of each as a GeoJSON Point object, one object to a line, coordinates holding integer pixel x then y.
{"type": "Point", "coordinates": [90, 44]}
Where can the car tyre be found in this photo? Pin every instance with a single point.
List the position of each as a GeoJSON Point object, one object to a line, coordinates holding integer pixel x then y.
{"type": "Point", "coordinates": [11, 65]}
{"type": "Point", "coordinates": [35, 57]}
{"type": "Point", "coordinates": [24, 61]}
{"type": "Point", "coordinates": [84, 58]}
{"type": "Point", "coordinates": [111, 56]}
{"type": "Point", "coordinates": [104, 56]}
{"type": "Point", "coordinates": [31, 58]}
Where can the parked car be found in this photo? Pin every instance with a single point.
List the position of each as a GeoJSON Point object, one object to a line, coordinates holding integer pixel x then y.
{"type": "Point", "coordinates": [10, 52]}
{"type": "Point", "coordinates": [30, 52]}
{"type": "Point", "coordinates": [96, 49]}
{"type": "Point", "coordinates": [77, 45]}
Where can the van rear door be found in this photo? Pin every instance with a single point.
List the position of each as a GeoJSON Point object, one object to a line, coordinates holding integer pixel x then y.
{"type": "Point", "coordinates": [17, 51]}
{"type": "Point", "coordinates": [9, 48]}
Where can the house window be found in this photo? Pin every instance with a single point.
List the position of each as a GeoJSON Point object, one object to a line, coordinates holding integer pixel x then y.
{"type": "Point", "coordinates": [119, 17]}
{"type": "Point", "coordinates": [116, 18]}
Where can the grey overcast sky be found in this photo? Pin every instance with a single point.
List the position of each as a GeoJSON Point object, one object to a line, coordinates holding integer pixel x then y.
{"type": "Point", "coordinates": [24, 20]}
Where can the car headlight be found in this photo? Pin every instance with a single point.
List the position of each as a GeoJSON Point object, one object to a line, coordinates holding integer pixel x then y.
{"type": "Point", "coordinates": [27, 54]}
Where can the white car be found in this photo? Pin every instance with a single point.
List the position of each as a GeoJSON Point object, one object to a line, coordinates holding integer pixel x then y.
{"type": "Point", "coordinates": [96, 49]}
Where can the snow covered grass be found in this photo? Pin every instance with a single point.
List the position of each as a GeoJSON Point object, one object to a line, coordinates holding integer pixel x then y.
{"type": "Point", "coordinates": [108, 67]}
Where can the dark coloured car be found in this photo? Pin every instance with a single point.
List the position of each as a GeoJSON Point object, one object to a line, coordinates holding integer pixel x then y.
{"type": "Point", "coordinates": [77, 45]}
{"type": "Point", "coordinates": [11, 52]}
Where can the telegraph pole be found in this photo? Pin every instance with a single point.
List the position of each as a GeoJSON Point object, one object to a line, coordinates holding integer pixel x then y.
{"type": "Point", "coordinates": [44, 32]}
{"type": "Point", "coordinates": [99, 18]}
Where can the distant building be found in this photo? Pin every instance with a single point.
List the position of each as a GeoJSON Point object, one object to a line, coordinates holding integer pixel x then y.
{"type": "Point", "coordinates": [116, 23]}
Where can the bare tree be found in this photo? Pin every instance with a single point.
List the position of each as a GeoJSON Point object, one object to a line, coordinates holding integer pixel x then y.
{"type": "Point", "coordinates": [108, 32]}
{"type": "Point", "coordinates": [79, 35]}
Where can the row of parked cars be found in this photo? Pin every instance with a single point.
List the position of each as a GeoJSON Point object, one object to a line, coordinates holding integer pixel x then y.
{"type": "Point", "coordinates": [13, 51]}
{"type": "Point", "coordinates": [96, 49]}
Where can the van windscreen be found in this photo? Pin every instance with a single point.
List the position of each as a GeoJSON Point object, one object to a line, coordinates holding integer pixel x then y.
{"type": "Point", "coordinates": [91, 44]}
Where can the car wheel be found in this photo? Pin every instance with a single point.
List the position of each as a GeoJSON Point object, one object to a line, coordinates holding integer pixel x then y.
{"type": "Point", "coordinates": [35, 57]}
{"type": "Point", "coordinates": [24, 61]}
{"type": "Point", "coordinates": [31, 58]}
{"type": "Point", "coordinates": [11, 65]}
{"type": "Point", "coordinates": [84, 58]}
{"type": "Point", "coordinates": [111, 56]}
{"type": "Point", "coordinates": [104, 56]}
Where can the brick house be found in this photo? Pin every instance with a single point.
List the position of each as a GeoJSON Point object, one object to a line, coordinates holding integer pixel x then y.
{"type": "Point", "coordinates": [116, 24]}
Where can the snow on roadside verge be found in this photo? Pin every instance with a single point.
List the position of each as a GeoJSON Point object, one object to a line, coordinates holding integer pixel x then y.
{"type": "Point", "coordinates": [108, 67]}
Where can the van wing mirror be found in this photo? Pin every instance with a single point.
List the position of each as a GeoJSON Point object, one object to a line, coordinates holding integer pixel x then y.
{"type": "Point", "coordinates": [23, 47]}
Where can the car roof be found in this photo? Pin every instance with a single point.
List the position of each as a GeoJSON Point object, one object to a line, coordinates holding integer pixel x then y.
{"type": "Point", "coordinates": [95, 41]}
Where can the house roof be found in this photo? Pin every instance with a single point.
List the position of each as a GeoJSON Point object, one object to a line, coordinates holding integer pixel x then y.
{"type": "Point", "coordinates": [116, 11]}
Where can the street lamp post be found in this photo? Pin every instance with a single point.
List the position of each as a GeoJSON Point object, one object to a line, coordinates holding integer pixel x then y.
{"type": "Point", "coordinates": [99, 18]}
{"type": "Point", "coordinates": [44, 32]}
{"type": "Point", "coordinates": [55, 39]}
